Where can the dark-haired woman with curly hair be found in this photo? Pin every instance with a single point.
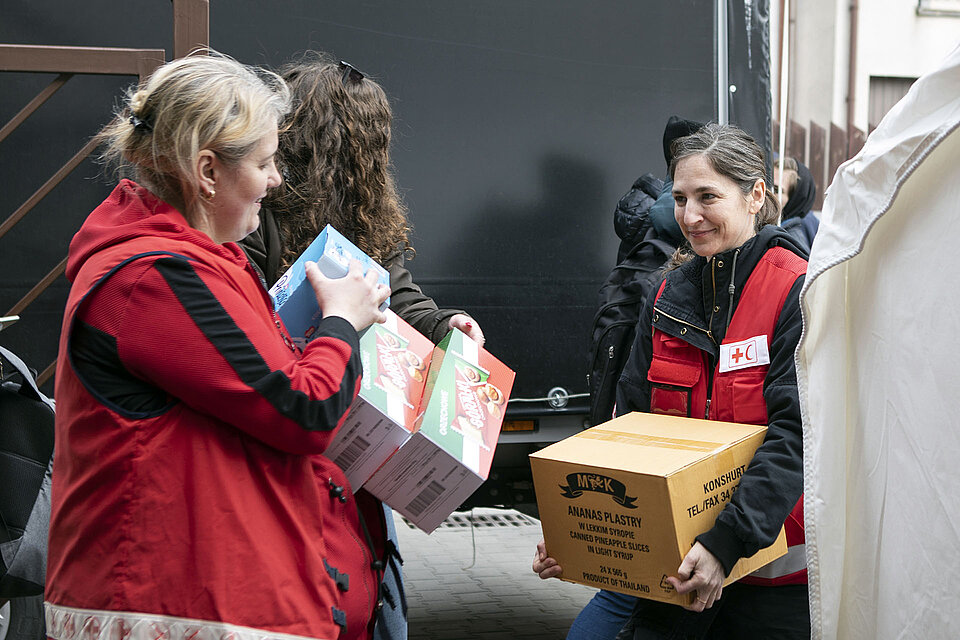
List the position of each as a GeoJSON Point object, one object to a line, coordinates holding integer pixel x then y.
{"type": "Point", "coordinates": [334, 154]}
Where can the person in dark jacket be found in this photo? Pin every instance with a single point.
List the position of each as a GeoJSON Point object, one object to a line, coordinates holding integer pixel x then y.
{"type": "Point", "coordinates": [798, 194]}
{"type": "Point", "coordinates": [649, 202]}
{"type": "Point", "coordinates": [737, 284]}
{"type": "Point", "coordinates": [334, 151]}
{"type": "Point", "coordinates": [645, 223]}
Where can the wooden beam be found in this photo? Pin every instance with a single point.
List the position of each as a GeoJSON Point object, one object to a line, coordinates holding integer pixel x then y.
{"type": "Point", "coordinates": [838, 151]}
{"type": "Point", "coordinates": [34, 104]}
{"type": "Point", "coordinates": [797, 142]}
{"type": "Point", "coordinates": [191, 26]}
{"type": "Point", "coordinates": [47, 374]}
{"type": "Point", "coordinates": [818, 160]}
{"type": "Point", "coordinates": [47, 187]}
{"type": "Point", "coordinates": [90, 60]}
{"type": "Point", "coordinates": [38, 288]}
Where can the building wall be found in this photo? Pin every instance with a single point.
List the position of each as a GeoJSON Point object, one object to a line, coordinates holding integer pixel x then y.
{"type": "Point", "coordinates": [817, 78]}
{"type": "Point", "coordinates": [892, 40]}
{"type": "Point", "coordinates": [895, 41]}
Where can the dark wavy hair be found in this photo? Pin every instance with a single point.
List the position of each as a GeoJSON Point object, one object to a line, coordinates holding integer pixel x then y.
{"type": "Point", "coordinates": [334, 156]}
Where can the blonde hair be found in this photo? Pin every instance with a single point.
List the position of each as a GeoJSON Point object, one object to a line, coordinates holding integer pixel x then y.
{"type": "Point", "coordinates": [206, 100]}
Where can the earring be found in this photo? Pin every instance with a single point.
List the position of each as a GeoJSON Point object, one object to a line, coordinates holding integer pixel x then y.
{"type": "Point", "coordinates": [208, 195]}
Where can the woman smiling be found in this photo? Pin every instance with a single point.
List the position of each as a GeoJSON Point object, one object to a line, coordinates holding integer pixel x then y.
{"type": "Point", "coordinates": [190, 495]}
{"type": "Point", "coordinates": [737, 284]}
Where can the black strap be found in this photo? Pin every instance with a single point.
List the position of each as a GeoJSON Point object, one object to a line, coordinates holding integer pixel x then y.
{"type": "Point", "coordinates": [664, 246]}
{"type": "Point", "coordinates": [652, 238]}
{"type": "Point", "coordinates": [5, 536]}
{"type": "Point", "coordinates": [376, 565]}
{"type": "Point", "coordinates": [29, 387]}
{"type": "Point", "coordinates": [391, 557]}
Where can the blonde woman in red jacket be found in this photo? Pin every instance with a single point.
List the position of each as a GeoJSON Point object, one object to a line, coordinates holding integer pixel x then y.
{"type": "Point", "coordinates": [189, 482]}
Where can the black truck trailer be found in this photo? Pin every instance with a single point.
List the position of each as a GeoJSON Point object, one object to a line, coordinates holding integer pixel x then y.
{"type": "Point", "coordinates": [518, 126]}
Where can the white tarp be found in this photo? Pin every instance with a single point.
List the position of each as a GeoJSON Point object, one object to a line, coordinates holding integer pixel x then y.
{"type": "Point", "coordinates": [879, 376]}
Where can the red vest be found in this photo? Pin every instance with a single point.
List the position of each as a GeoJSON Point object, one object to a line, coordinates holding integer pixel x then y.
{"type": "Point", "coordinates": [679, 375]}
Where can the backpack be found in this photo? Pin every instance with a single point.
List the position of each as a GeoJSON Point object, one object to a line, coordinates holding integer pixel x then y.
{"type": "Point", "coordinates": [26, 459]}
{"type": "Point", "coordinates": [641, 259]}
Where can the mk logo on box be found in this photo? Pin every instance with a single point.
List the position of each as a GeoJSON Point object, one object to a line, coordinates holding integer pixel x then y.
{"type": "Point", "coordinates": [577, 483]}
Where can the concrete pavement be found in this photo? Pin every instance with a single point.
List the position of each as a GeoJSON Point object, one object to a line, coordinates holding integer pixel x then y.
{"type": "Point", "coordinates": [475, 581]}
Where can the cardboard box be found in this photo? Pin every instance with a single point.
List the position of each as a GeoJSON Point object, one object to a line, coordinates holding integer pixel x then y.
{"type": "Point", "coordinates": [395, 359]}
{"type": "Point", "coordinates": [293, 296]}
{"type": "Point", "coordinates": [448, 456]}
{"type": "Point", "coordinates": [621, 503]}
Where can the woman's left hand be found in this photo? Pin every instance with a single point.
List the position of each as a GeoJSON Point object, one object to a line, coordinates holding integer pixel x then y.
{"type": "Point", "coordinates": [543, 565]}
{"type": "Point", "coordinates": [701, 573]}
{"type": "Point", "coordinates": [469, 326]}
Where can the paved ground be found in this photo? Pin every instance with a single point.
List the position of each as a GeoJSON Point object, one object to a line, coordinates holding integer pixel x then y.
{"type": "Point", "coordinates": [475, 581]}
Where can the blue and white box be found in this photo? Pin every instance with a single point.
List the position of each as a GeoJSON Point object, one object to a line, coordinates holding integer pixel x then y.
{"type": "Point", "coordinates": [292, 294]}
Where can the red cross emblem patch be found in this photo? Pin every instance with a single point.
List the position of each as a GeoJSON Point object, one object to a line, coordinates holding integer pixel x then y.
{"type": "Point", "coordinates": [752, 352]}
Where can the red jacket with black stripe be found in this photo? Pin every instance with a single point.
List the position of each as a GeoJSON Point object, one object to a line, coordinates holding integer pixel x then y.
{"type": "Point", "coordinates": [190, 494]}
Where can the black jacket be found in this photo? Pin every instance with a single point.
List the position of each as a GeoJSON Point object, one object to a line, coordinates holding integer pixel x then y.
{"type": "Point", "coordinates": [697, 293]}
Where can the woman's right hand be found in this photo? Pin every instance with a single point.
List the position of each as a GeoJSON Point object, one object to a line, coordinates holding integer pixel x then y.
{"type": "Point", "coordinates": [700, 573]}
{"type": "Point", "coordinates": [355, 298]}
{"type": "Point", "coordinates": [544, 565]}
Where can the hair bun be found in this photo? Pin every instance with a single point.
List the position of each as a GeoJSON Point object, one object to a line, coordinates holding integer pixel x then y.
{"type": "Point", "coordinates": [137, 101]}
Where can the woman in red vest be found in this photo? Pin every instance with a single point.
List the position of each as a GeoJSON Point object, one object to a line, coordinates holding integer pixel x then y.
{"type": "Point", "coordinates": [717, 342]}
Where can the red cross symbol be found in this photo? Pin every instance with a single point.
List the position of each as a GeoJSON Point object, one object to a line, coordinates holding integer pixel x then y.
{"type": "Point", "coordinates": [737, 355]}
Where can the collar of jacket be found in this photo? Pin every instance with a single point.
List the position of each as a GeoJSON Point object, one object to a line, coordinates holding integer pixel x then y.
{"type": "Point", "coordinates": [695, 301]}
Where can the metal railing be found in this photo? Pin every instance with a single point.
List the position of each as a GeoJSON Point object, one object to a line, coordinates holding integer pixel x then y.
{"type": "Point", "coordinates": [191, 29]}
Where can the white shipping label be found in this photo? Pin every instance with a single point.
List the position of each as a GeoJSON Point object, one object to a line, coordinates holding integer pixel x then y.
{"type": "Point", "coordinates": [752, 352]}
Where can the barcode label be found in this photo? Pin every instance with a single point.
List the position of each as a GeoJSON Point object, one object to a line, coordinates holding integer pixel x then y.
{"type": "Point", "coordinates": [425, 499]}
{"type": "Point", "coordinates": [354, 450]}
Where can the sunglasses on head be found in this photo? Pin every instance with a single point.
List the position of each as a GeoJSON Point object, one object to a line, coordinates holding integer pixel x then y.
{"type": "Point", "coordinates": [351, 72]}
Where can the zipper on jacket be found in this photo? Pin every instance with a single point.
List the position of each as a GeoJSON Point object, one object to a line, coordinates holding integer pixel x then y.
{"type": "Point", "coordinates": [713, 307]}
{"type": "Point", "coordinates": [713, 286]}
{"type": "Point", "coordinates": [684, 322]}
{"type": "Point", "coordinates": [730, 290]}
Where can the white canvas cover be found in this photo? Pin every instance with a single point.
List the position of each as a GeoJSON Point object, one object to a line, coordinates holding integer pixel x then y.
{"type": "Point", "coordinates": [879, 376]}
